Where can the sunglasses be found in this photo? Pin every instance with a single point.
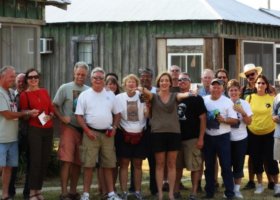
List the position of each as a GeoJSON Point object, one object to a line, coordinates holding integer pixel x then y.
{"type": "Point", "coordinates": [259, 83]}
{"type": "Point", "coordinates": [184, 79]}
{"type": "Point", "coordinates": [33, 77]}
{"type": "Point", "coordinates": [222, 77]}
{"type": "Point", "coordinates": [98, 78]}
{"type": "Point", "coordinates": [248, 75]}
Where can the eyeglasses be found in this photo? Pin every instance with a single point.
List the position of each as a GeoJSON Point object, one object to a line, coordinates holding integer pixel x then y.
{"type": "Point", "coordinates": [98, 78]}
{"type": "Point", "coordinates": [263, 83]}
{"type": "Point", "coordinates": [33, 77]}
{"type": "Point", "coordinates": [175, 70]}
{"type": "Point", "coordinates": [248, 75]}
{"type": "Point", "coordinates": [222, 77]}
{"type": "Point", "coordinates": [184, 79]}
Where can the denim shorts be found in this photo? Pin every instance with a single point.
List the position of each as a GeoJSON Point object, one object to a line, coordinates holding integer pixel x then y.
{"type": "Point", "coordinates": [9, 154]}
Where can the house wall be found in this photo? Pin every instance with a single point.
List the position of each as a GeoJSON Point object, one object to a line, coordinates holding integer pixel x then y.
{"type": "Point", "coordinates": [124, 47]}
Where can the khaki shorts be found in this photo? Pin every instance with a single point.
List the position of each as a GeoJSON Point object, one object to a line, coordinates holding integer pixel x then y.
{"type": "Point", "coordinates": [189, 156]}
{"type": "Point", "coordinates": [276, 150]}
{"type": "Point", "coordinates": [69, 143]}
{"type": "Point", "coordinates": [102, 148]}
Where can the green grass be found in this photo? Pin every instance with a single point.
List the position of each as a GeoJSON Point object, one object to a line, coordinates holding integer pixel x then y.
{"type": "Point", "coordinates": [51, 188]}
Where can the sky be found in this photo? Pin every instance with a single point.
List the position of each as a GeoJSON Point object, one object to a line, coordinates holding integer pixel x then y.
{"type": "Point", "coordinates": [274, 4]}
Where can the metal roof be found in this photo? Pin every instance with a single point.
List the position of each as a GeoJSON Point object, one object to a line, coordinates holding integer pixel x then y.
{"type": "Point", "coordinates": [275, 13]}
{"type": "Point", "coordinates": [157, 10]}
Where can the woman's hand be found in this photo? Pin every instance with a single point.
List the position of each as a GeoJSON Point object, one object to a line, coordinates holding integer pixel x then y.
{"type": "Point", "coordinates": [239, 108]}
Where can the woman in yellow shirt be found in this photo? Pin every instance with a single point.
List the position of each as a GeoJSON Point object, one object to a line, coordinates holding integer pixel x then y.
{"type": "Point", "coordinates": [261, 132]}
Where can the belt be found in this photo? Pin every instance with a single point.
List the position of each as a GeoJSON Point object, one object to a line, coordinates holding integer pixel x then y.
{"type": "Point", "coordinates": [98, 130]}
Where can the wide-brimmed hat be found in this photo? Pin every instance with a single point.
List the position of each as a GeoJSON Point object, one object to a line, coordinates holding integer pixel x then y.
{"type": "Point", "coordinates": [250, 67]}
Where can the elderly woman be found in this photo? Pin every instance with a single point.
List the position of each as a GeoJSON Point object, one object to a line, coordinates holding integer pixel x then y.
{"type": "Point", "coordinates": [130, 145]}
{"type": "Point", "coordinates": [165, 128]}
{"type": "Point", "coordinates": [261, 132]}
{"type": "Point", "coordinates": [238, 134]}
{"type": "Point", "coordinates": [40, 131]}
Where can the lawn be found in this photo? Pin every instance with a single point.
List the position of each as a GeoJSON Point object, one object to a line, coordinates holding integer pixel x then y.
{"type": "Point", "coordinates": [51, 188]}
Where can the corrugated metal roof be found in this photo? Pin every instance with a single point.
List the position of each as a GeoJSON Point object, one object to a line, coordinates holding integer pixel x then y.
{"type": "Point", "coordinates": [157, 10]}
{"type": "Point", "coordinates": [275, 13]}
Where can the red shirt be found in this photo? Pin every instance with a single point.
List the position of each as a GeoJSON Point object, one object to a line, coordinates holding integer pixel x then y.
{"type": "Point", "coordinates": [40, 100]}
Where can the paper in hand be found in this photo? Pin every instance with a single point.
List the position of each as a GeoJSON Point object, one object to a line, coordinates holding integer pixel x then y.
{"type": "Point", "coordinates": [41, 118]}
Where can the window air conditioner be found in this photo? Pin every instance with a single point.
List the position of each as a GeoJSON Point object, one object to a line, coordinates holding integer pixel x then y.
{"type": "Point", "coordinates": [46, 45]}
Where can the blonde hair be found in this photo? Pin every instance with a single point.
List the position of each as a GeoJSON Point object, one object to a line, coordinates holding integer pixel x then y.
{"type": "Point", "coordinates": [130, 77]}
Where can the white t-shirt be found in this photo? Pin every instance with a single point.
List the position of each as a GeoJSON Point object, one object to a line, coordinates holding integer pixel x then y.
{"type": "Point", "coordinates": [240, 133]}
{"type": "Point", "coordinates": [224, 106]}
{"type": "Point", "coordinates": [97, 108]}
{"type": "Point", "coordinates": [132, 119]}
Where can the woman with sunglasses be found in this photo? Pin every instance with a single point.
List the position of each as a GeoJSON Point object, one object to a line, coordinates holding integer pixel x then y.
{"type": "Point", "coordinates": [261, 132]}
{"type": "Point", "coordinates": [40, 131]}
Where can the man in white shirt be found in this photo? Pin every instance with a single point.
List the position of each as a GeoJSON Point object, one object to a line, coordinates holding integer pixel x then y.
{"type": "Point", "coordinates": [98, 114]}
{"type": "Point", "coordinates": [220, 115]}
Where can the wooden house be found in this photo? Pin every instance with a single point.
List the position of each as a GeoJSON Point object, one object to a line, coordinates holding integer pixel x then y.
{"type": "Point", "coordinates": [20, 30]}
{"type": "Point", "coordinates": [124, 35]}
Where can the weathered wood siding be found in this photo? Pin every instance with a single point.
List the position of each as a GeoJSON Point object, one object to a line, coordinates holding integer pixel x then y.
{"type": "Point", "coordinates": [124, 47]}
{"type": "Point", "coordinates": [23, 9]}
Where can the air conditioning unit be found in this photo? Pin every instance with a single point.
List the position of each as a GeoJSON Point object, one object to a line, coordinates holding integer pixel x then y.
{"type": "Point", "coordinates": [46, 45]}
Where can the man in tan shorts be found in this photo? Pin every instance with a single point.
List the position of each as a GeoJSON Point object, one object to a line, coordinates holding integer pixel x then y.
{"type": "Point", "coordinates": [192, 116]}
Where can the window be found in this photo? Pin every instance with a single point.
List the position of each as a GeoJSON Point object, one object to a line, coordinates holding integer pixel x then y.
{"type": "Point", "coordinates": [189, 62]}
{"type": "Point", "coordinates": [188, 54]}
{"type": "Point", "coordinates": [83, 48]}
{"type": "Point", "coordinates": [261, 54]}
{"type": "Point", "coordinates": [19, 47]}
{"type": "Point", "coordinates": [85, 52]}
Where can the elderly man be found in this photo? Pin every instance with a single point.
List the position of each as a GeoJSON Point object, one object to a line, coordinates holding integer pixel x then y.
{"type": "Point", "coordinates": [192, 116]}
{"type": "Point", "coordinates": [206, 78]}
{"type": "Point", "coordinates": [22, 140]}
{"type": "Point", "coordinates": [65, 102]}
{"type": "Point", "coordinates": [9, 126]}
{"type": "Point", "coordinates": [220, 115]}
{"type": "Point", "coordinates": [98, 114]}
{"type": "Point", "coordinates": [174, 71]}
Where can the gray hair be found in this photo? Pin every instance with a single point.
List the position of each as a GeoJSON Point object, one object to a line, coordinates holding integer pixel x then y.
{"type": "Point", "coordinates": [146, 70]}
{"type": "Point", "coordinates": [208, 71]}
{"type": "Point", "coordinates": [96, 69]}
{"type": "Point", "coordinates": [81, 64]}
{"type": "Point", "coordinates": [170, 67]}
{"type": "Point", "coordinates": [6, 68]}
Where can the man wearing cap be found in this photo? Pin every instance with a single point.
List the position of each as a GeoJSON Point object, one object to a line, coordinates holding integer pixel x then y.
{"type": "Point", "coordinates": [220, 115]}
{"type": "Point", "coordinates": [192, 116]}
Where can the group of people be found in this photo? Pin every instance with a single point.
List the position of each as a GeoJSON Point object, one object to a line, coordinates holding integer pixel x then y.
{"type": "Point", "coordinates": [109, 127]}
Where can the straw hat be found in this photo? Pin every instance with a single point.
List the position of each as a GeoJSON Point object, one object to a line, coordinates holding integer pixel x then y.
{"type": "Point", "coordinates": [250, 67]}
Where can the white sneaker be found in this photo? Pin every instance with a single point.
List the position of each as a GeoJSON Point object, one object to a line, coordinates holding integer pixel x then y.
{"type": "Point", "coordinates": [259, 189]}
{"type": "Point", "coordinates": [114, 197]}
{"type": "Point", "coordinates": [238, 194]}
{"type": "Point", "coordinates": [277, 189]}
{"type": "Point", "coordinates": [85, 196]}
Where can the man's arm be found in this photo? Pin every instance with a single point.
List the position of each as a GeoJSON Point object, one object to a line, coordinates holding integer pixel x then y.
{"type": "Point", "coordinates": [9, 115]}
{"type": "Point", "coordinates": [116, 122]}
{"type": "Point", "coordinates": [91, 134]}
{"type": "Point", "coordinates": [64, 119]}
{"type": "Point", "coordinates": [202, 130]}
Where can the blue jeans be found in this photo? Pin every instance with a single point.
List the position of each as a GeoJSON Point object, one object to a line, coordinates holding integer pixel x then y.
{"type": "Point", "coordinates": [218, 146]}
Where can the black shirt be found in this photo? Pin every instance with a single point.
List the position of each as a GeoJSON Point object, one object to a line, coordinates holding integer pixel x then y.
{"type": "Point", "coordinates": [189, 111]}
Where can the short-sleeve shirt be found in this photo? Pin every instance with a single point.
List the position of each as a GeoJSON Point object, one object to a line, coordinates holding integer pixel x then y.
{"type": "Point", "coordinates": [66, 99]}
{"type": "Point", "coordinates": [222, 106]}
{"type": "Point", "coordinates": [189, 111]}
{"type": "Point", "coordinates": [164, 115]}
{"type": "Point", "coordinates": [8, 127]}
{"type": "Point", "coordinates": [262, 108]}
{"type": "Point", "coordinates": [240, 132]}
{"type": "Point", "coordinates": [132, 115]}
{"type": "Point", "coordinates": [97, 108]}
